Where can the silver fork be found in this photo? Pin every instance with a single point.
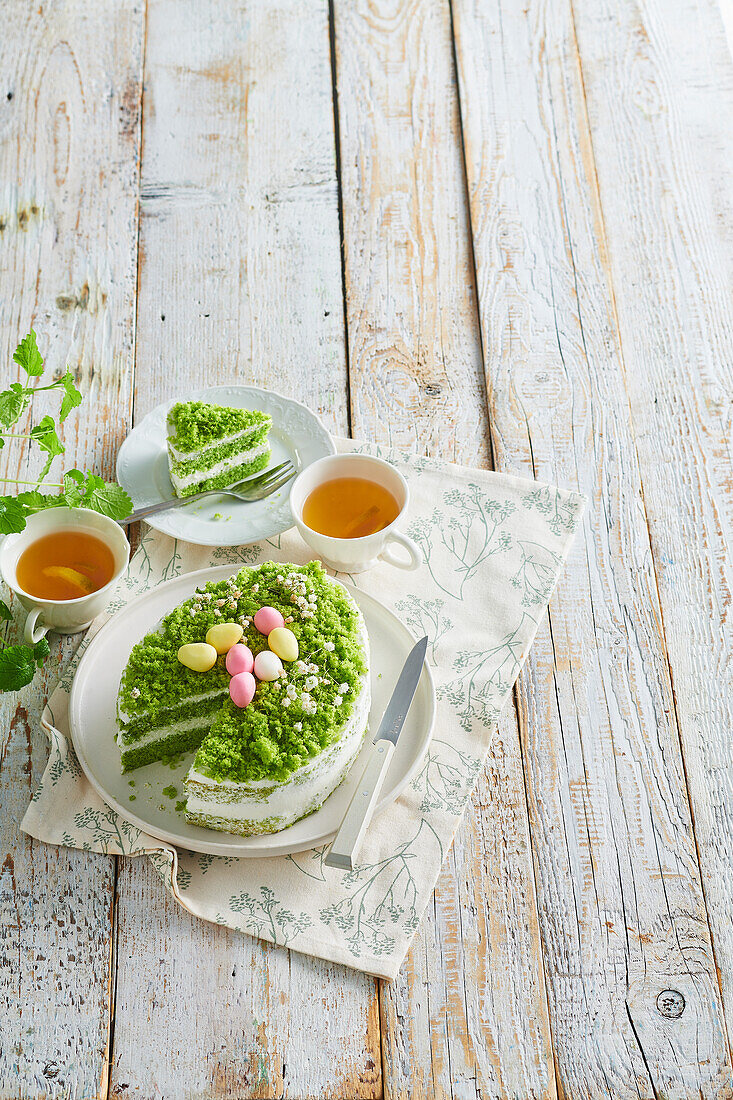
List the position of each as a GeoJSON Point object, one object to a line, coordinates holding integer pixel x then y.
{"type": "Point", "coordinates": [254, 488]}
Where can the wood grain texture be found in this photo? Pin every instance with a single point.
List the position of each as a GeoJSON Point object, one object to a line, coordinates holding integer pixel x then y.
{"type": "Point", "coordinates": [663, 154]}
{"type": "Point", "coordinates": [69, 131]}
{"type": "Point", "coordinates": [455, 1022]}
{"type": "Point", "coordinates": [622, 911]}
{"type": "Point", "coordinates": [240, 280]}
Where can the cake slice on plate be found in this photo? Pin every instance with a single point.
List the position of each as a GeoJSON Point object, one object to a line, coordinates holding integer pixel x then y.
{"type": "Point", "coordinates": [212, 446]}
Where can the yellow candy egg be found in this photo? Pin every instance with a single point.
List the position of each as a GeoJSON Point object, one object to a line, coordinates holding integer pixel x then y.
{"type": "Point", "coordinates": [223, 636]}
{"type": "Point", "coordinates": [283, 642]}
{"type": "Point", "coordinates": [199, 656]}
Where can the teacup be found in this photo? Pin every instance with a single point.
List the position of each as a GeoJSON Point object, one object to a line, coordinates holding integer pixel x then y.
{"type": "Point", "coordinates": [62, 616]}
{"type": "Point", "coordinates": [355, 555]}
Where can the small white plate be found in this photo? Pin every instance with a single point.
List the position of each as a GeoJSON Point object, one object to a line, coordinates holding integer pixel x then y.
{"type": "Point", "coordinates": [142, 469]}
{"type": "Point", "coordinates": [93, 728]}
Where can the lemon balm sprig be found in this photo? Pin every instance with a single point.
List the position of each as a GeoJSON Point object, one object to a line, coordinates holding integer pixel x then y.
{"type": "Point", "coordinates": [18, 663]}
{"type": "Point", "coordinates": [77, 490]}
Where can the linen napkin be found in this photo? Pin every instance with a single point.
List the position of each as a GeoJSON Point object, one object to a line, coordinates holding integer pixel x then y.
{"type": "Point", "coordinates": [494, 546]}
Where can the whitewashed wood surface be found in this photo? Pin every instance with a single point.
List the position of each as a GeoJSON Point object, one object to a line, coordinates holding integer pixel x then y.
{"type": "Point", "coordinates": [497, 233]}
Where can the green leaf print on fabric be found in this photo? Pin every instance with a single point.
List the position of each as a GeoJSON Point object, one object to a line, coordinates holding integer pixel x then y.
{"type": "Point", "coordinates": [237, 555]}
{"type": "Point", "coordinates": [109, 832]}
{"type": "Point", "coordinates": [265, 916]}
{"type": "Point", "coordinates": [561, 509]}
{"type": "Point", "coordinates": [483, 678]}
{"type": "Point", "coordinates": [445, 778]}
{"type": "Point", "coordinates": [425, 617]}
{"type": "Point", "coordinates": [316, 855]}
{"type": "Point", "coordinates": [536, 573]}
{"type": "Point", "coordinates": [469, 532]}
{"type": "Point", "coordinates": [172, 568]}
{"type": "Point", "coordinates": [381, 897]}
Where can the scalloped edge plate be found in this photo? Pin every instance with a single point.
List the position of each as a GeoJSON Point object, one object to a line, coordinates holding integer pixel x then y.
{"type": "Point", "coordinates": [142, 469]}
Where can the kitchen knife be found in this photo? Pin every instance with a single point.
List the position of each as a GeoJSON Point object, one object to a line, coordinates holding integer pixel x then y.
{"type": "Point", "coordinates": [349, 836]}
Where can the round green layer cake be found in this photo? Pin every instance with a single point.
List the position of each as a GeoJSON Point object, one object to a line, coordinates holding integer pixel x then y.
{"type": "Point", "coordinates": [260, 768]}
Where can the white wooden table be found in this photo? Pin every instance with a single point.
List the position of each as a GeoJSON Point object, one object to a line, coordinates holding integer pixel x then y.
{"type": "Point", "coordinates": [497, 232]}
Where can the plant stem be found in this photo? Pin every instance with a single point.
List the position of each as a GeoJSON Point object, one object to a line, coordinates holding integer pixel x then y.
{"type": "Point", "coordinates": [9, 435]}
{"type": "Point", "coordinates": [46, 484]}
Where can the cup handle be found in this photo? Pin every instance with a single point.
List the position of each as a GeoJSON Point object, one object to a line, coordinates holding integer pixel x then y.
{"type": "Point", "coordinates": [34, 634]}
{"type": "Point", "coordinates": [415, 554]}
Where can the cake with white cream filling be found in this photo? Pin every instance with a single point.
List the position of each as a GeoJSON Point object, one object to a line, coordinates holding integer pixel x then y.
{"type": "Point", "coordinates": [212, 446]}
{"type": "Point", "coordinates": [262, 764]}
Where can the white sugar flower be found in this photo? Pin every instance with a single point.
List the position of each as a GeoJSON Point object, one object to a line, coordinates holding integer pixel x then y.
{"type": "Point", "coordinates": [338, 701]}
{"type": "Point", "coordinates": [310, 682]}
{"type": "Point", "coordinates": [286, 701]}
{"type": "Point", "coordinates": [343, 688]}
{"type": "Point", "coordinates": [329, 646]}
{"type": "Point", "coordinates": [135, 693]}
{"type": "Point", "coordinates": [297, 726]}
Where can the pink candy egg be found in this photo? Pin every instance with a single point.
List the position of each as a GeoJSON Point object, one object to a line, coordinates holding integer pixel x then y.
{"type": "Point", "coordinates": [267, 618]}
{"type": "Point", "coordinates": [242, 688]}
{"type": "Point", "coordinates": [239, 659]}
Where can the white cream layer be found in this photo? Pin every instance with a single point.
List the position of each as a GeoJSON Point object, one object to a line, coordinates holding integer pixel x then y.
{"type": "Point", "coordinates": [123, 717]}
{"type": "Point", "coordinates": [186, 456]}
{"type": "Point", "coordinates": [160, 733]}
{"type": "Point", "coordinates": [227, 463]}
{"type": "Point", "coordinates": [304, 790]}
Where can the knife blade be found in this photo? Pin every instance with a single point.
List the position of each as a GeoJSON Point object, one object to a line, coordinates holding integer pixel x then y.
{"type": "Point", "coordinates": [359, 813]}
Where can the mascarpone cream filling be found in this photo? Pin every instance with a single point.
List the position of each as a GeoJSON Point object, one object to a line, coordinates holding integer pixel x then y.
{"type": "Point", "coordinates": [213, 471]}
{"type": "Point", "coordinates": [185, 456]}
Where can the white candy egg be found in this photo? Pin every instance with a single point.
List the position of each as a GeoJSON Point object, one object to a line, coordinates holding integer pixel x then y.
{"type": "Point", "coordinates": [268, 665]}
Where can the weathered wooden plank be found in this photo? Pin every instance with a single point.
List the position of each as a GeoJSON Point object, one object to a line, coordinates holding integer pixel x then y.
{"type": "Point", "coordinates": [69, 132]}
{"type": "Point", "coordinates": [240, 279]}
{"type": "Point", "coordinates": [664, 158]}
{"type": "Point", "coordinates": [622, 911]}
{"type": "Point", "coordinates": [467, 1015]}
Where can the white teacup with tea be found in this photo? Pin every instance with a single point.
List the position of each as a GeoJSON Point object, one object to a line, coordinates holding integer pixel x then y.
{"type": "Point", "coordinates": [348, 507]}
{"type": "Point", "coordinates": [62, 567]}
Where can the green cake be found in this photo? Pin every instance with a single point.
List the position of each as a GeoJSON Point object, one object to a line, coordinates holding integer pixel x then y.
{"type": "Point", "coordinates": [259, 768]}
{"type": "Point", "coordinates": [211, 447]}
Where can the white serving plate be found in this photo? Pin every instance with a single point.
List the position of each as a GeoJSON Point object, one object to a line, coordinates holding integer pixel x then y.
{"type": "Point", "coordinates": [93, 724]}
{"type": "Point", "coordinates": [142, 469]}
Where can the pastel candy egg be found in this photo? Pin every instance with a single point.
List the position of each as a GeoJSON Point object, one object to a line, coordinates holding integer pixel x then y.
{"type": "Point", "coordinates": [223, 636]}
{"type": "Point", "coordinates": [268, 665]}
{"type": "Point", "coordinates": [198, 656]}
{"type": "Point", "coordinates": [239, 659]}
{"type": "Point", "coordinates": [242, 689]}
{"type": "Point", "coordinates": [268, 619]}
{"type": "Point", "coordinates": [283, 642]}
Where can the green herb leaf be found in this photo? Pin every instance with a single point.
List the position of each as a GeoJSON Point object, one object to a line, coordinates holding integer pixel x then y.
{"type": "Point", "coordinates": [12, 404]}
{"type": "Point", "coordinates": [27, 355]}
{"type": "Point", "coordinates": [34, 501]}
{"type": "Point", "coordinates": [6, 615]}
{"type": "Point", "coordinates": [106, 497]}
{"type": "Point", "coordinates": [74, 488]}
{"type": "Point", "coordinates": [12, 516]}
{"type": "Point", "coordinates": [45, 436]}
{"type": "Point", "coordinates": [41, 651]}
{"type": "Point", "coordinates": [17, 667]}
{"type": "Point", "coordinates": [71, 397]}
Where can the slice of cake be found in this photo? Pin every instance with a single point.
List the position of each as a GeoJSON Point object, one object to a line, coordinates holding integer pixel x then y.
{"type": "Point", "coordinates": [259, 767]}
{"type": "Point", "coordinates": [211, 447]}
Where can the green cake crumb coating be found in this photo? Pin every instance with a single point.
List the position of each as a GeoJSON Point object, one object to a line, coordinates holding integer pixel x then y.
{"type": "Point", "coordinates": [193, 425]}
{"type": "Point", "coordinates": [260, 741]}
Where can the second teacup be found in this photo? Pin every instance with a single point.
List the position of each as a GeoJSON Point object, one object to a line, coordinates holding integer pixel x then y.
{"type": "Point", "coordinates": [356, 554]}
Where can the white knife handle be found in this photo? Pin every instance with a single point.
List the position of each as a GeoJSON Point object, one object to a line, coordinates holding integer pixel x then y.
{"type": "Point", "coordinates": [359, 814]}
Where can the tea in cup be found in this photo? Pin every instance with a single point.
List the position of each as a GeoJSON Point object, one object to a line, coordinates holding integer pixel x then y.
{"type": "Point", "coordinates": [62, 567]}
{"type": "Point", "coordinates": [347, 508]}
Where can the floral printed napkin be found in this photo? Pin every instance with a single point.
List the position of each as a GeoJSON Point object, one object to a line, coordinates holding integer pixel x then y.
{"type": "Point", "coordinates": [494, 546]}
